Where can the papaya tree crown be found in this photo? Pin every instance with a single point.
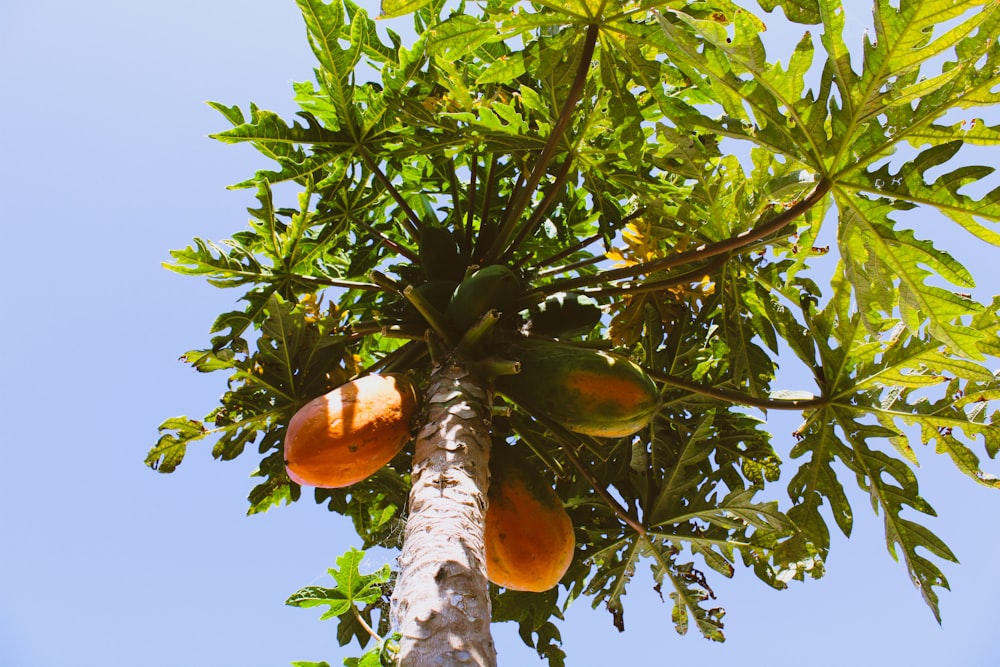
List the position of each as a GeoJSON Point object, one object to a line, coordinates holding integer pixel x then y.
{"type": "Point", "coordinates": [638, 180]}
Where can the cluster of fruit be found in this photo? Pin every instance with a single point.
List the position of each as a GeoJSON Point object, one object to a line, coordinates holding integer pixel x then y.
{"type": "Point", "coordinates": [347, 435]}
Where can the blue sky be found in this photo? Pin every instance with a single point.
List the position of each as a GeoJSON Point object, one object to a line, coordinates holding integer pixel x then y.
{"type": "Point", "coordinates": [104, 166]}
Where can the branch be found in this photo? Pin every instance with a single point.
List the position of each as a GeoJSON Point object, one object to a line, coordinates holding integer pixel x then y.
{"type": "Point", "coordinates": [603, 492]}
{"type": "Point", "coordinates": [332, 282]}
{"type": "Point", "coordinates": [645, 286]}
{"type": "Point", "coordinates": [368, 628]}
{"type": "Point", "coordinates": [361, 328]}
{"type": "Point", "coordinates": [456, 197]}
{"type": "Point", "coordinates": [402, 357]}
{"type": "Point", "coordinates": [579, 264]}
{"type": "Point", "coordinates": [566, 252]}
{"type": "Point", "coordinates": [521, 196]}
{"type": "Point", "coordinates": [491, 189]}
{"type": "Point", "coordinates": [385, 282]}
{"type": "Point", "coordinates": [411, 221]}
{"type": "Point", "coordinates": [434, 318]}
{"type": "Point", "coordinates": [471, 203]}
{"type": "Point", "coordinates": [388, 242]}
{"type": "Point", "coordinates": [737, 396]}
{"type": "Point", "coordinates": [543, 207]}
{"type": "Point", "coordinates": [708, 250]}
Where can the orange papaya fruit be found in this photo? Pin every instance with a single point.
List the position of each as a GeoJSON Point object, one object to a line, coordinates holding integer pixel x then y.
{"type": "Point", "coordinates": [348, 434]}
{"type": "Point", "coordinates": [528, 534]}
{"type": "Point", "coordinates": [586, 391]}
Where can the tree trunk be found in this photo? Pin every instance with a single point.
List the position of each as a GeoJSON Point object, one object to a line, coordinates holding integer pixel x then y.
{"type": "Point", "coordinates": [441, 603]}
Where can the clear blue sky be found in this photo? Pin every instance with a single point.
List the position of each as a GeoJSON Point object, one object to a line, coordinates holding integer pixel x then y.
{"type": "Point", "coordinates": [104, 167]}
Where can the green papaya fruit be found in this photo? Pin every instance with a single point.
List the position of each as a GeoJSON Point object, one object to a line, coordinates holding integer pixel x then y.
{"type": "Point", "coordinates": [490, 287]}
{"type": "Point", "coordinates": [582, 389]}
{"type": "Point", "coordinates": [564, 314]}
{"type": "Point", "coordinates": [437, 292]}
{"type": "Point", "coordinates": [487, 236]}
{"type": "Point", "coordinates": [440, 255]}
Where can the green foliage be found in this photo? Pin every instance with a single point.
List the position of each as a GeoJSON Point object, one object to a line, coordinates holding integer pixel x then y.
{"type": "Point", "coordinates": [655, 158]}
{"type": "Point", "coordinates": [352, 603]}
{"type": "Point", "coordinates": [533, 613]}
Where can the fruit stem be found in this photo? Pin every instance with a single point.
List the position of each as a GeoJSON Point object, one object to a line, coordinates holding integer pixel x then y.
{"type": "Point", "coordinates": [603, 492]}
{"type": "Point", "coordinates": [439, 351]}
{"type": "Point", "coordinates": [501, 410]}
{"type": "Point", "coordinates": [477, 332]}
{"type": "Point", "coordinates": [491, 367]}
{"type": "Point", "coordinates": [706, 250]}
{"type": "Point", "coordinates": [434, 317]}
{"type": "Point", "coordinates": [384, 281]}
{"type": "Point", "coordinates": [738, 396]}
{"type": "Point", "coordinates": [360, 619]}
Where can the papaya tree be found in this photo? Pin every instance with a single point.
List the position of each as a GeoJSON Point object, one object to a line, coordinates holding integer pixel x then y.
{"type": "Point", "coordinates": [580, 236]}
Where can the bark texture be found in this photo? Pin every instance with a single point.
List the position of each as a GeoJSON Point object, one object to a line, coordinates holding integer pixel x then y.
{"type": "Point", "coordinates": [441, 603]}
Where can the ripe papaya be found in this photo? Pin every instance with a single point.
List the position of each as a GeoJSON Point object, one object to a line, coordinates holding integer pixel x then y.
{"type": "Point", "coordinates": [564, 314]}
{"type": "Point", "coordinates": [348, 434]}
{"type": "Point", "coordinates": [528, 534]}
{"type": "Point", "coordinates": [584, 390]}
{"type": "Point", "coordinates": [440, 255]}
{"type": "Point", "coordinates": [493, 286]}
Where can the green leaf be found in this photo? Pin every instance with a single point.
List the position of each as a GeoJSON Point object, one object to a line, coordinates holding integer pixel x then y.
{"type": "Point", "coordinates": [690, 593]}
{"type": "Point", "coordinates": [325, 24]}
{"type": "Point", "coordinates": [369, 659]}
{"type": "Point", "coordinates": [878, 256]}
{"type": "Point", "coordinates": [616, 566]}
{"type": "Point", "coordinates": [281, 142]}
{"type": "Point", "coordinates": [682, 474]}
{"type": "Point", "coordinates": [394, 8]}
{"type": "Point", "coordinates": [532, 611]}
{"type": "Point", "coordinates": [893, 488]}
{"type": "Point", "coordinates": [800, 11]}
{"type": "Point", "coordinates": [460, 34]}
{"type": "Point", "coordinates": [169, 450]}
{"type": "Point", "coordinates": [275, 489]}
{"type": "Point", "coordinates": [353, 597]}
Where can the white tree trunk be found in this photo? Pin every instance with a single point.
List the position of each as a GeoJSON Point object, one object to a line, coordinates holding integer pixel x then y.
{"type": "Point", "coordinates": [441, 603]}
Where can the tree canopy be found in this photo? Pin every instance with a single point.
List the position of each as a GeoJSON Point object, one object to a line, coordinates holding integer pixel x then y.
{"type": "Point", "coordinates": [652, 156]}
